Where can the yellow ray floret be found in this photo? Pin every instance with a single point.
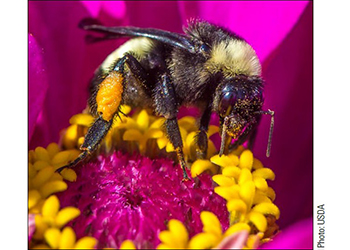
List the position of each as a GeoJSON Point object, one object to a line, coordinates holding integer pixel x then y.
{"type": "Point", "coordinates": [233, 171]}
{"type": "Point", "coordinates": [267, 208]}
{"type": "Point", "coordinates": [223, 180]}
{"type": "Point", "coordinates": [203, 241]}
{"type": "Point", "coordinates": [236, 228]}
{"type": "Point", "coordinates": [243, 183]}
{"type": "Point", "coordinates": [246, 159]}
{"type": "Point", "coordinates": [211, 223]}
{"type": "Point", "coordinates": [228, 192]}
{"type": "Point", "coordinates": [225, 160]}
{"type": "Point", "coordinates": [127, 244]}
{"type": "Point", "coordinates": [66, 239]}
{"type": "Point", "coordinates": [176, 237]}
{"type": "Point", "coordinates": [49, 222]}
{"type": "Point", "coordinates": [200, 166]}
{"type": "Point", "coordinates": [43, 180]}
{"type": "Point", "coordinates": [33, 198]}
{"type": "Point", "coordinates": [140, 130]}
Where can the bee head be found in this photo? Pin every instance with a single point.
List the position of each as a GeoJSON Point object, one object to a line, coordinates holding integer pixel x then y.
{"type": "Point", "coordinates": [238, 101]}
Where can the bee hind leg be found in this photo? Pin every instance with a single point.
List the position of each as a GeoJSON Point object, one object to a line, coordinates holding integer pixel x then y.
{"type": "Point", "coordinates": [104, 122]}
{"type": "Point", "coordinates": [92, 140]}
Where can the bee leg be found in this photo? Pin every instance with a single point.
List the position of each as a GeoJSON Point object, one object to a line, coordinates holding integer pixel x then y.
{"type": "Point", "coordinates": [174, 136]}
{"type": "Point", "coordinates": [135, 68]}
{"type": "Point", "coordinates": [166, 105]}
{"type": "Point", "coordinates": [202, 138]}
{"type": "Point", "coordinates": [110, 88]}
{"type": "Point", "coordinates": [95, 134]}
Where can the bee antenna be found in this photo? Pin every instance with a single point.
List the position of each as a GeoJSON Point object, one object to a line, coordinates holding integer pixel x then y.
{"type": "Point", "coordinates": [223, 141]}
{"type": "Point", "coordinates": [272, 124]}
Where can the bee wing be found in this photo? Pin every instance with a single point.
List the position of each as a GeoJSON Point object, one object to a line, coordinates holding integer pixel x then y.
{"type": "Point", "coordinates": [170, 38]}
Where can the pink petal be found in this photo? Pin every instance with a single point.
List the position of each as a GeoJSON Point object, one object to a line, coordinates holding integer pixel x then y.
{"type": "Point", "coordinates": [297, 236]}
{"type": "Point", "coordinates": [234, 241]}
{"type": "Point", "coordinates": [31, 226]}
{"type": "Point", "coordinates": [288, 92]}
{"type": "Point", "coordinates": [37, 83]}
{"type": "Point", "coordinates": [68, 69]}
{"type": "Point", "coordinates": [113, 9]}
{"type": "Point", "coordinates": [156, 14]}
{"type": "Point", "coordinates": [264, 24]}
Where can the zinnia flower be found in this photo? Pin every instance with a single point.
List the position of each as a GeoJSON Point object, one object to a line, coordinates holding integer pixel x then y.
{"type": "Point", "coordinates": [132, 197]}
{"type": "Point", "coordinates": [123, 199]}
{"type": "Point", "coordinates": [68, 64]}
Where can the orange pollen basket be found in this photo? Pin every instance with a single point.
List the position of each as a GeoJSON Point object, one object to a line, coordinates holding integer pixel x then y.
{"type": "Point", "coordinates": [109, 95]}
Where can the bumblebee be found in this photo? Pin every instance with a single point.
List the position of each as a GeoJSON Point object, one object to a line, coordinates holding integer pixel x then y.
{"type": "Point", "coordinates": [208, 67]}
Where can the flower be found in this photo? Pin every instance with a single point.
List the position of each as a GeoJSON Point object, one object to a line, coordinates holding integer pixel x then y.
{"type": "Point", "coordinates": [142, 132]}
{"type": "Point", "coordinates": [118, 191]}
{"type": "Point", "coordinates": [212, 237]}
{"type": "Point", "coordinates": [31, 226]}
{"type": "Point", "coordinates": [249, 198]}
{"type": "Point", "coordinates": [275, 38]}
{"type": "Point", "coordinates": [297, 236]}
{"type": "Point", "coordinates": [131, 197]}
{"type": "Point", "coordinates": [134, 191]}
{"type": "Point", "coordinates": [177, 236]}
{"type": "Point", "coordinates": [39, 84]}
{"type": "Point", "coordinates": [48, 223]}
{"type": "Point", "coordinates": [65, 239]}
{"type": "Point", "coordinates": [242, 182]}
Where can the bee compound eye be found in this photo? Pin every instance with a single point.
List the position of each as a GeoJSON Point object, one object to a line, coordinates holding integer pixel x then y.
{"type": "Point", "coordinates": [227, 101]}
{"type": "Point", "coordinates": [204, 48]}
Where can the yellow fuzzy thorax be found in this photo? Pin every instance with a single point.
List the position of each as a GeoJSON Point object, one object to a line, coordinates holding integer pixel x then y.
{"type": "Point", "coordinates": [233, 58]}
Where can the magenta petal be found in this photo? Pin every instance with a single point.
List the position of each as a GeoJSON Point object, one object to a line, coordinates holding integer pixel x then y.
{"type": "Point", "coordinates": [264, 24]}
{"type": "Point", "coordinates": [54, 25]}
{"type": "Point", "coordinates": [288, 92]}
{"type": "Point", "coordinates": [31, 226]}
{"type": "Point", "coordinates": [37, 83]}
{"type": "Point", "coordinates": [93, 7]}
{"type": "Point", "coordinates": [113, 8]}
{"type": "Point", "coordinates": [156, 14]}
{"type": "Point", "coordinates": [234, 241]}
{"type": "Point", "coordinates": [70, 62]}
{"type": "Point", "coordinates": [297, 236]}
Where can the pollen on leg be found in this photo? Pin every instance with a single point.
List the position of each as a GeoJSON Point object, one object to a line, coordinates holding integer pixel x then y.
{"type": "Point", "coordinates": [109, 95]}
